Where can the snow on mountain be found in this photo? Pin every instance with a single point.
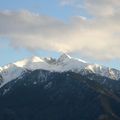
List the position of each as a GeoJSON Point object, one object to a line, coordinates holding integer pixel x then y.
{"type": "Point", "coordinates": [10, 72]}
{"type": "Point", "coordinates": [63, 63]}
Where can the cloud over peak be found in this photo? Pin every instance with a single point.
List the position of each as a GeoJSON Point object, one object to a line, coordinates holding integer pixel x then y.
{"type": "Point", "coordinates": [98, 37]}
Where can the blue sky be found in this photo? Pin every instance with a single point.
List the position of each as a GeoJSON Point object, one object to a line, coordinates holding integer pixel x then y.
{"type": "Point", "coordinates": [72, 26]}
{"type": "Point", "coordinates": [44, 7]}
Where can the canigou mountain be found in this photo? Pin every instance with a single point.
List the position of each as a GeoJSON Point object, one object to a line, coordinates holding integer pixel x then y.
{"type": "Point", "coordinates": [62, 64]}
{"type": "Point", "coordinates": [66, 88]}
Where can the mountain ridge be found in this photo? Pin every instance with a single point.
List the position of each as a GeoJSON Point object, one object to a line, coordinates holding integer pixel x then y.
{"type": "Point", "coordinates": [62, 64]}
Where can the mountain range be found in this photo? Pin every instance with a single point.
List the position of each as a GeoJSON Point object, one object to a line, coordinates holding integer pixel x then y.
{"type": "Point", "coordinates": [62, 64]}
{"type": "Point", "coordinates": [66, 88]}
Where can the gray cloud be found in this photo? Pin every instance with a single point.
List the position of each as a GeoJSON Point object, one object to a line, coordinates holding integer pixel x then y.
{"type": "Point", "coordinates": [98, 37]}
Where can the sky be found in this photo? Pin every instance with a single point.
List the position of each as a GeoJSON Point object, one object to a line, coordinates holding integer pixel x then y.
{"type": "Point", "coordinates": [87, 29]}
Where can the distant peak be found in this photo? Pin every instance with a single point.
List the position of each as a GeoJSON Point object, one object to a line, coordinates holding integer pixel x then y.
{"type": "Point", "coordinates": [30, 60]}
{"type": "Point", "coordinates": [64, 56]}
{"type": "Point", "coordinates": [35, 59]}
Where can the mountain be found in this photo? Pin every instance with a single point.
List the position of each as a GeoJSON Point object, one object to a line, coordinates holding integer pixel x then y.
{"type": "Point", "coordinates": [66, 88]}
{"type": "Point", "coordinates": [62, 64]}
{"type": "Point", "coordinates": [45, 95]}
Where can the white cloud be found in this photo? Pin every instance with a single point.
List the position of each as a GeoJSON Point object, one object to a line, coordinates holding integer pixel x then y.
{"type": "Point", "coordinates": [102, 7]}
{"type": "Point", "coordinates": [98, 38]}
{"type": "Point", "coordinates": [95, 7]}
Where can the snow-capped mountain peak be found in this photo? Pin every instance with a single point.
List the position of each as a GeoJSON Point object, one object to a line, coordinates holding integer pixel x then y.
{"type": "Point", "coordinates": [62, 64]}
{"type": "Point", "coordinates": [66, 57]}
{"type": "Point", "coordinates": [63, 57]}
{"type": "Point", "coordinates": [23, 63]}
